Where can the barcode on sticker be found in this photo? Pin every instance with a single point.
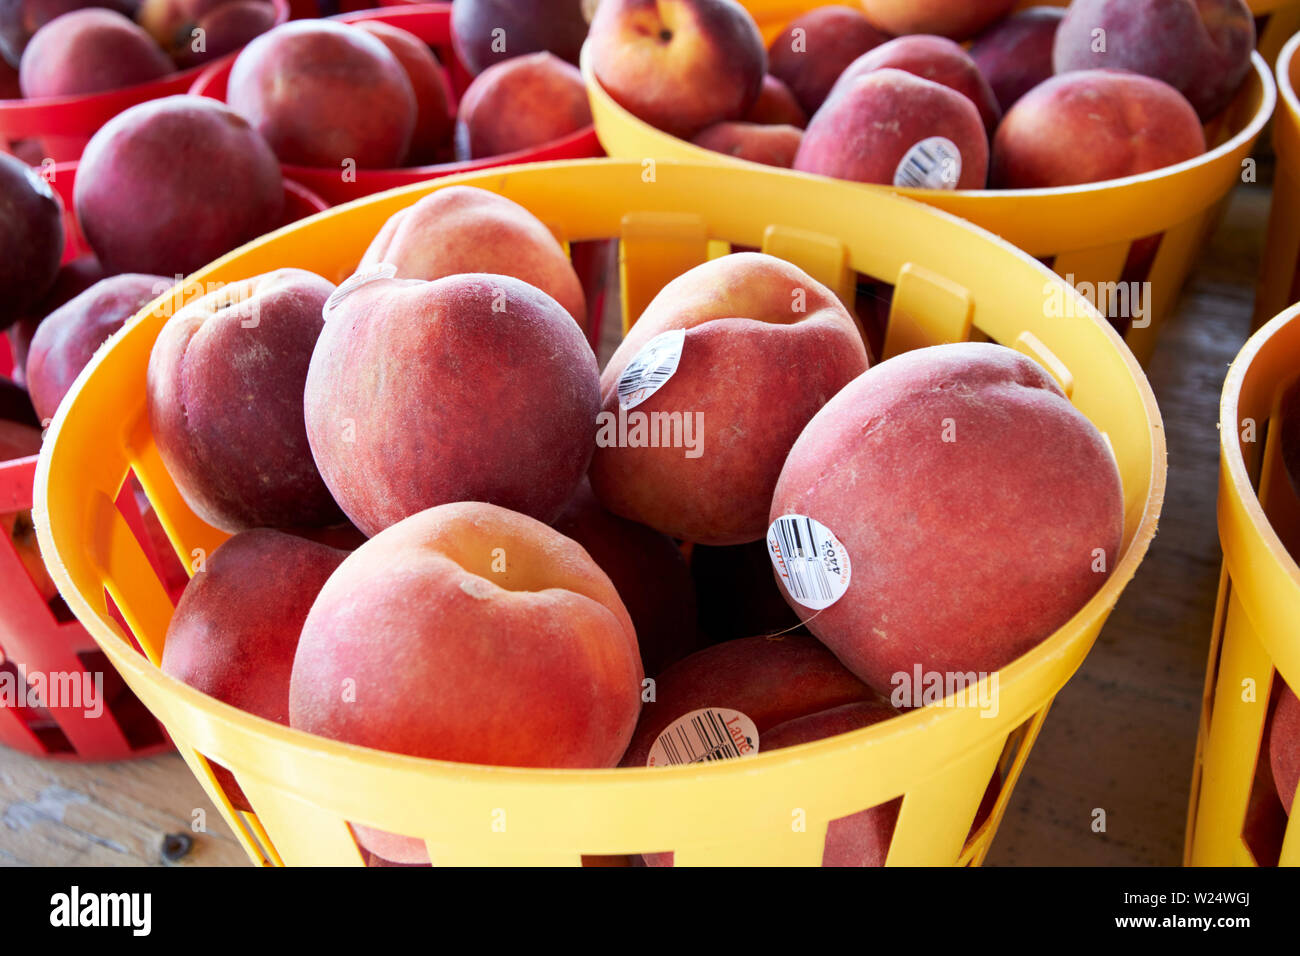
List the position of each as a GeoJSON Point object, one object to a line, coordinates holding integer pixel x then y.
{"type": "Point", "coordinates": [811, 562]}
{"type": "Point", "coordinates": [651, 368]}
{"type": "Point", "coordinates": [702, 736]}
{"type": "Point", "coordinates": [933, 163]}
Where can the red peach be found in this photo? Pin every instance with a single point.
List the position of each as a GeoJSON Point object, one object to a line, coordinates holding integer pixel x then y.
{"type": "Point", "coordinates": [814, 49]}
{"type": "Point", "coordinates": [520, 104]}
{"type": "Point", "coordinates": [435, 114]}
{"type": "Point", "coordinates": [770, 145]}
{"type": "Point", "coordinates": [955, 19]}
{"type": "Point", "coordinates": [1284, 746]}
{"type": "Point", "coordinates": [89, 51]}
{"type": "Point", "coordinates": [776, 106]}
{"type": "Point", "coordinates": [486, 32]}
{"type": "Point", "coordinates": [31, 238]}
{"type": "Point", "coordinates": [1016, 54]}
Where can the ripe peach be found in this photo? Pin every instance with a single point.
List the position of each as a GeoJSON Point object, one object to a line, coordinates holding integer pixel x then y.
{"type": "Point", "coordinates": [1093, 125]}
{"type": "Point", "coordinates": [976, 511]}
{"type": "Point", "coordinates": [955, 19]}
{"type": "Point", "coordinates": [1016, 54]}
{"type": "Point", "coordinates": [89, 51]}
{"type": "Point", "coordinates": [892, 127]}
{"type": "Point", "coordinates": [814, 49]}
{"type": "Point", "coordinates": [224, 29]}
{"type": "Point", "coordinates": [648, 571]}
{"type": "Point", "coordinates": [31, 238]}
{"type": "Point", "coordinates": [173, 156]}
{"type": "Point", "coordinates": [486, 32]}
{"type": "Point", "coordinates": [1284, 746]}
{"type": "Point", "coordinates": [514, 650]}
{"type": "Point", "coordinates": [770, 145]}
{"type": "Point", "coordinates": [435, 115]}
{"type": "Point", "coordinates": [776, 106]}
{"type": "Point", "coordinates": [236, 626]}
{"type": "Point", "coordinates": [762, 347]}
{"type": "Point", "coordinates": [463, 229]}
{"type": "Point", "coordinates": [1201, 48]}
{"type": "Point", "coordinates": [70, 335]}
{"type": "Point", "coordinates": [486, 369]}
{"type": "Point", "coordinates": [19, 19]}
{"type": "Point", "coordinates": [325, 94]}
{"type": "Point", "coordinates": [680, 65]}
{"type": "Point", "coordinates": [224, 392]}
{"type": "Point", "coordinates": [937, 59]}
{"type": "Point", "coordinates": [519, 104]}
{"type": "Point", "coordinates": [73, 278]}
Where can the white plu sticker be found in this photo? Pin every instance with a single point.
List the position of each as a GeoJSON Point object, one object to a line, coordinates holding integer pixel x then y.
{"type": "Point", "coordinates": [933, 163]}
{"type": "Point", "coordinates": [382, 270]}
{"type": "Point", "coordinates": [702, 736]}
{"type": "Point", "coordinates": [811, 562]}
{"type": "Point", "coordinates": [651, 368]}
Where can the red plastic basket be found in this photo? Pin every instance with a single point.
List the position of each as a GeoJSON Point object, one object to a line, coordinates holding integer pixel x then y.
{"type": "Point", "coordinates": [62, 125]}
{"type": "Point", "coordinates": [431, 23]}
{"type": "Point", "coordinates": [40, 636]}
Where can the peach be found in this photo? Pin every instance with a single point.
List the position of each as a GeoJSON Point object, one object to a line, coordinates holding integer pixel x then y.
{"type": "Point", "coordinates": [1201, 48]}
{"type": "Point", "coordinates": [649, 573]}
{"type": "Point", "coordinates": [19, 19]}
{"type": "Point", "coordinates": [745, 329]}
{"type": "Point", "coordinates": [770, 145]}
{"type": "Point", "coordinates": [435, 114]}
{"type": "Point", "coordinates": [894, 128]}
{"type": "Point", "coordinates": [221, 30]}
{"type": "Point", "coordinates": [968, 512]}
{"type": "Point", "coordinates": [1284, 746]}
{"type": "Point", "coordinates": [486, 32]}
{"type": "Point", "coordinates": [814, 49]}
{"type": "Point", "coordinates": [325, 94]}
{"type": "Point", "coordinates": [736, 592]}
{"type": "Point", "coordinates": [70, 335]}
{"type": "Point", "coordinates": [860, 839]}
{"type": "Point", "coordinates": [937, 59]}
{"type": "Point", "coordinates": [470, 388]}
{"type": "Point", "coordinates": [224, 393]}
{"type": "Point", "coordinates": [776, 106]}
{"type": "Point", "coordinates": [175, 156]}
{"type": "Point", "coordinates": [955, 19]}
{"type": "Point", "coordinates": [464, 229]}
{"type": "Point", "coordinates": [1016, 54]}
{"type": "Point", "coordinates": [236, 626]}
{"type": "Point", "coordinates": [680, 65]}
{"type": "Point", "coordinates": [521, 103]}
{"type": "Point", "coordinates": [73, 278]}
{"type": "Point", "coordinates": [89, 51]}
{"type": "Point", "coordinates": [31, 238]}
{"type": "Point", "coordinates": [469, 633]}
{"type": "Point", "coordinates": [1093, 125]}
{"type": "Point", "coordinates": [768, 679]}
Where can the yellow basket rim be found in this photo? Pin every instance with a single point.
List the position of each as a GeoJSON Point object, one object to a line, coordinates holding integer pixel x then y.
{"type": "Point", "coordinates": [1268, 103]}
{"type": "Point", "coordinates": [231, 719]}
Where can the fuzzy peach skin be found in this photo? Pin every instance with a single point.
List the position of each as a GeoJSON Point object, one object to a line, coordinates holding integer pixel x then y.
{"type": "Point", "coordinates": [235, 629]}
{"type": "Point", "coordinates": [1093, 125]}
{"type": "Point", "coordinates": [955, 19]}
{"type": "Point", "coordinates": [464, 229]}
{"type": "Point", "coordinates": [480, 28]}
{"type": "Point", "coordinates": [814, 49]}
{"type": "Point", "coordinates": [860, 839]}
{"type": "Point", "coordinates": [435, 115]}
{"type": "Point", "coordinates": [89, 51]}
{"type": "Point", "coordinates": [1284, 747]}
{"type": "Point", "coordinates": [70, 335]}
{"type": "Point", "coordinates": [865, 131]}
{"type": "Point", "coordinates": [934, 58]}
{"type": "Point", "coordinates": [776, 106]}
{"type": "Point", "coordinates": [680, 65]}
{"type": "Point", "coordinates": [519, 104]}
{"type": "Point", "coordinates": [224, 391]}
{"type": "Point", "coordinates": [1201, 48]}
{"type": "Point", "coordinates": [31, 238]}
{"type": "Point", "coordinates": [649, 572]}
{"type": "Point", "coordinates": [978, 509]}
{"type": "Point", "coordinates": [1016, 54]}
{"type": "Point", "coordinates": [226, 28]}
{"type": "Point", "coordinates": [323, 93]}
{"type": "Point", "coordinates": [765, 347]}
{"type": "Point", "coordinates": [20, 19]}
{"type": "Point", "coordinates": [770, 145]}
{"type": "Point", "coordinates": [470, 633]}
{"type": "Point", "coordinates": [209, 181]}
{"type": "Point", "coordinates": [471, 388]}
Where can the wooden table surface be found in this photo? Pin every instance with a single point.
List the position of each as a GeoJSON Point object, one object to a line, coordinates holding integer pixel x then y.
{"type": "Point", "coordinates": [1120, 737]}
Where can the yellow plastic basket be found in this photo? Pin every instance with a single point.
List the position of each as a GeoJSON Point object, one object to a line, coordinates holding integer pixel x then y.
{"type": "Point", "coordinates": [1082, 231]}
{"type": "Point", "coordinates": [1278, 285]}
{"type": "Point", "coordinates": [1257, 622]}
{"type": "Point", "coordinates": [953, 283]}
